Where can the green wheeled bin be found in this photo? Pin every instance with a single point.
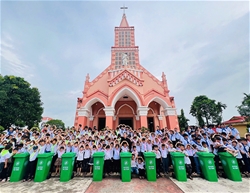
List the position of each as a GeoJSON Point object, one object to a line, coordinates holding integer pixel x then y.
{"type": "Point", "coordinates": [150, 166]}
{"type": "Point", "coordinates": [98, 160]}
{"type": "Point", "coordinates": [19, 167]}
{"type": "Point", "coordinates": [126, 166]}
{"type": "Point", "coordinates": [230, 166]}
{"type": "Point", "coordinates": [43, 166]}
{"type": "Point", "coordinates": [179, 166]}
{"type": "Point", "coordinates": [68, 161]}
{"type": "Point", "coordinates": [207, 166]}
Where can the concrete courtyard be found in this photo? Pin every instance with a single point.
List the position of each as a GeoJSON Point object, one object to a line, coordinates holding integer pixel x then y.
{"type": "Point", "coordinates": [109, 185]}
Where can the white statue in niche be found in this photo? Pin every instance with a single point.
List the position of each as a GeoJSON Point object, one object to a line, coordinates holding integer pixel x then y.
{"type": "Point", "coordinates": [124, 59]}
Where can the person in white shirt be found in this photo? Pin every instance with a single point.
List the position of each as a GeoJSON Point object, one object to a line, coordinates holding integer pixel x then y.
{"type": "Point", "coordinates": [140, 166]}
{"type": "Point", "coordinates": [125, 147]}
{"type": "Point", "coordinates": [134, 168]}
{"type": "Point", "coordinates": [164, 156]}
{"type": "Point", "coordinates": [116, 158]}
{"type": "Point", "coordinates": [79, 160]}
{"type": "Point", "coordinates": [86, 158]}
{"type": "Point", "coordinates": [107, 160]}
{"type": "Point", "coordinates": [58, 161]}
{"type": "Point", "coordinates": [31, 167]}
{"type": "Point", "coordinates": [41, 146]}
{"type": "Point", "coordinates": [158, 160]}
{"type": "Point", "coordinates": [187, 162]}
{"type": "Point", "coordinates": [4, 156]}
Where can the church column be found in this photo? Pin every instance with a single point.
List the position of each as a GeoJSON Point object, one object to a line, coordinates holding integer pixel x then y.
{"type": "Point", "coordinates": [109, 112]}
{"type": "Point", "coordinates": [171, 118]}
{"type": "Point", "coordinates": [83, 115]}
{"type": "Point", "coordinates": [143, 112]}
{"type": "Point", "coordinates": [160, 121]}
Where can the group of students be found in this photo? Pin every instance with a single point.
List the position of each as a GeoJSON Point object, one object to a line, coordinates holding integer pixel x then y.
{"type": "Point", "coordinates": [85, 141]}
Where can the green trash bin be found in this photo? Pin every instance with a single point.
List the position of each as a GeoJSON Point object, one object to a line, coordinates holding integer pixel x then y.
{"type": "Point", "coordinates": [126, 166]}
{"type": "Point", "coordinates": [207, 166]}
{"type": "Point", "coordinates": [19, 167]}
{"type": "Point", "coordinates": [150, 166]}
{"type": "Point", "coordinates": [98, 160]}
{"type": "Point", "coordinates": [230, 166]}
{"type": "Point", "coordinates": [179, 166]}
{"type": "Point", "coordinates": [68, 160]}
{"type": "Point", "coordinates": [43, 166]}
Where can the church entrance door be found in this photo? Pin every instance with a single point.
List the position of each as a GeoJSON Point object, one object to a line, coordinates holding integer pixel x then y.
{"type": "Point", "coordinates": [126, 121]}
{"type": "Point", "coordinates": [151, 124]}
{"type": "Point", "coordinates": [101, 123]}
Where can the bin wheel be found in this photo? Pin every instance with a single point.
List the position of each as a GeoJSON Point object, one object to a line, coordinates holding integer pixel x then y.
{"type": "Point", "coordinates": [72, 176]}
{"type": "Point", "coordinates": [173, 175]}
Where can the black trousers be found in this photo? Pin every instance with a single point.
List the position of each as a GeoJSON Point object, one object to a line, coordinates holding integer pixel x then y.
{"type": "Point", "coordinates": [141, 172]}
{"type": "Point", "coordinates": [158, 165]}
{"type": "Point", "coordinates": [6, 171]}
{"type": "Point", "coordinates": [85, 166]}
{"type": "Point", "coordinates": [246, 162]}
{"type": "Point", "coordinates": [192, 163]}
{"type": "Point", "coordinates": [107, 166]}
{"type": "Point", "coordinates": [189, 169]}
{"type": "Point", "coordinates": [216, 161]}
{"type": "Point", "coordinates": [31, 169]}
{"type": "Point", "coordinates": [116, 165]}
{"type": "Point", "coordinates": [52, 168]}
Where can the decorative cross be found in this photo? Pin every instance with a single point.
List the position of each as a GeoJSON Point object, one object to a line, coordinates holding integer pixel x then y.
{"type": "Point", "coordinates": [124, 8]}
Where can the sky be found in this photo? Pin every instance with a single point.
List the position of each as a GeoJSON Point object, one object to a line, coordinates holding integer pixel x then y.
{"type": "Point", "coordinates": [202, 46]}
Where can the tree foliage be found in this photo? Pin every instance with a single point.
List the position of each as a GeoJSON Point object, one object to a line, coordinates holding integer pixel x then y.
{"type": "Point", "coordinates": [58, 123]}
{"type": "Point", "coordinates": [244, 108]}
{"type": "Point", "coordinates": [20, 104]}
{"type": "Point", "coordinates": [183, 121]}
{"type": "Point", "coordinates": [205, 108]}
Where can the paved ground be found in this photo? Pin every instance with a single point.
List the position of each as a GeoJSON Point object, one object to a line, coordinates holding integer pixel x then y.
{"type": "Point", "coordinates": [136, 185]}
{"type": "Point", "coordinates": [110, 185]}
{"type": "Point", "coordinates": [222, 186]}
{"type": "Point", "coordinates": [75, 185]}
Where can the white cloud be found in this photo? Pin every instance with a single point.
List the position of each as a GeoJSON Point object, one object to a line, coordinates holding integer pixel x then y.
{"type": "Point", "coordinates": [11, 61]}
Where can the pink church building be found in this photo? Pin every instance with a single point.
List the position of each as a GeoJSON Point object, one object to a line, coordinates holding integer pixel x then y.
{"type": "Point", "coordinates": [125, 92]}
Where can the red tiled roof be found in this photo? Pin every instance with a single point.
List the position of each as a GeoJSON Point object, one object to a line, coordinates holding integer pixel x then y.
{"type": "Point", "coordinates": [236, 119]}
{"type": "Point", "coordinates": [46, 119]}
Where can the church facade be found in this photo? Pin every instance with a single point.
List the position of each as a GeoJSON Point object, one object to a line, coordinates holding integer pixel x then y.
{"type": "Point", "coordinates": [125, 92]}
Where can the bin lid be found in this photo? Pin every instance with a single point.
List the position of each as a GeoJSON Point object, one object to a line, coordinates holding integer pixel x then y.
{"type": "Point", "coordinates": [205, 154]}
{"type": "Point", "coordinates": [99, 154]}
{"type": "Point", "coordinates": [21, 155]}
{"type": "Point", "coordinates": [126, 154]}
{"type": "Point", "coordinates": [149, 154]}
{"type": "Point", "coordinates": [225, 154]}
{"type": "Point", "coordinates": [44, 155]}
{"type": "Point", "coordinates": [70, 154]}
{"type": "Point", "coordinates": [177, 154]}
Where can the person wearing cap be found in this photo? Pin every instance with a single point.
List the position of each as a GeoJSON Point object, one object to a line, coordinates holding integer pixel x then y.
{"type": "Point", "coordinates": [31, 167]}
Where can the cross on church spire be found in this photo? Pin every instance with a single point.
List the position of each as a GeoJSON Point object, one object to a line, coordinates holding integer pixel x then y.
{"type": "Point", "coordinates": [124, 8]}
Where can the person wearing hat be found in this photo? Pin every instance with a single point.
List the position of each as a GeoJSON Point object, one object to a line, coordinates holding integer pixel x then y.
{"type": "Point", "coordinates": [31, 167]}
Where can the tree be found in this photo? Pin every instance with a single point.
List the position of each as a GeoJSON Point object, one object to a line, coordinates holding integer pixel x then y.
{"type": "Point", "coordinates": [58, 123]}
{"type": "Point", "coordinates": [244, 108]}
{"type": "Point", "coordinates": [205, 108]}
{"type": "Point", "coordinates": [183, 121]}
{"type": "Point", "coordinates": [20, 104]}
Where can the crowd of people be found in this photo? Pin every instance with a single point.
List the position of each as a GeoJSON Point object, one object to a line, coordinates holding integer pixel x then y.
{"type": "Point", "coordinates": [85, 141]}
